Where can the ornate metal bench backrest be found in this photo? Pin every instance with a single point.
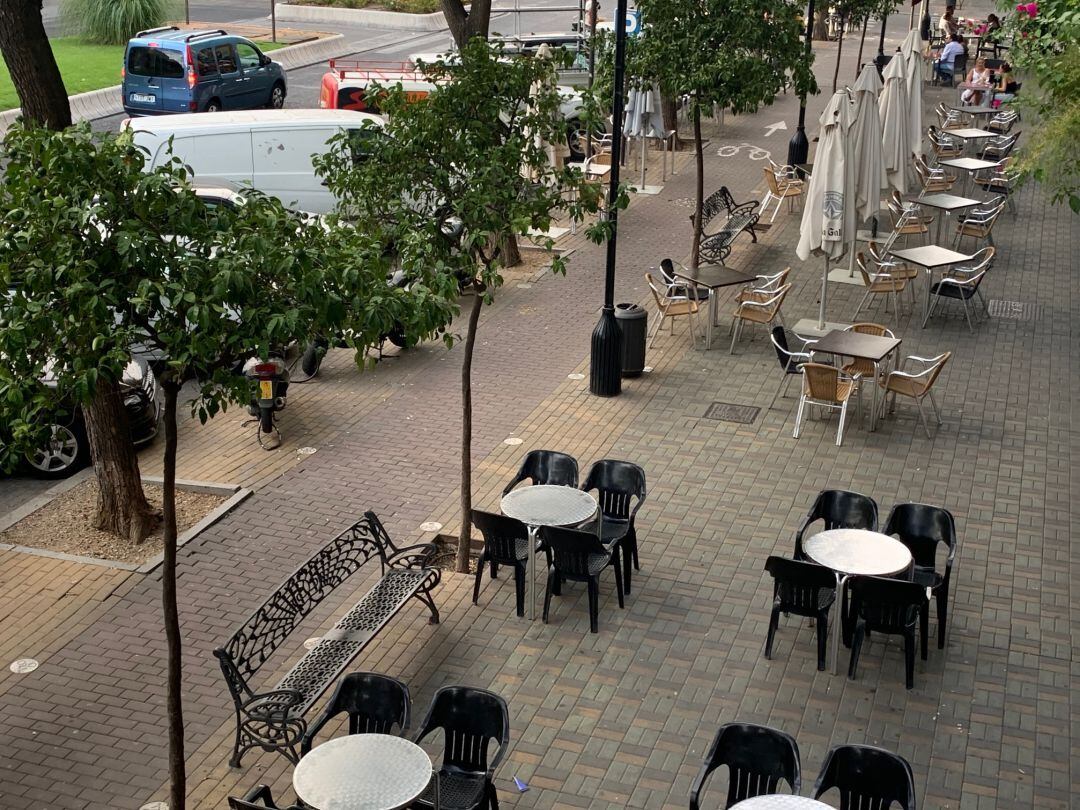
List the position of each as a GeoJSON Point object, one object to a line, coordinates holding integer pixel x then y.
{"type": "Point", "coordinates": [715, 203]}
{"type": "Point", "coordinates": [253, 644]}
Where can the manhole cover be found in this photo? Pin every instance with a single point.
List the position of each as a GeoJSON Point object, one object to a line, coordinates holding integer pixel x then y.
{"type": "Point", "coordinates": [524, 286]}
{"type": "Point", "coordinates": [155, 806]}
{"type": "Point", "coordinates": [1013, 310]}
{"type": "Point", "coordinates": [726, 412]}
{"type": "Point", "coordinates": [430, 526]}
{"type": "Point", "coordinates": [513, 441]}
{"type": "Point", "coordinates": [306, 451]}
{"type": "Point", "coordinates": [575, 376]}
{"type": "Point", "coordinates": [312, 643]}
{"type": "Point", "coordinates": [23, 665]}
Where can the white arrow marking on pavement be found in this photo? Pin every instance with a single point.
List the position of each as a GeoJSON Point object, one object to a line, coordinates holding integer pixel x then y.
{"type": "Point", "coordinates": [771, 128]}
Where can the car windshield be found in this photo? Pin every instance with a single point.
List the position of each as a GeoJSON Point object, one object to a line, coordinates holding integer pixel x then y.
{"type": "Point", "coordinates": [156, 62]}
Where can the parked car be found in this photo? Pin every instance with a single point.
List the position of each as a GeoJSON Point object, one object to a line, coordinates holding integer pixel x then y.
{"type": "Point", "coordinates": [167, 70]}
{"type": "Point", "coordinates": [68, 449]}
{"type": "Point", "coordinates": [268, 150]}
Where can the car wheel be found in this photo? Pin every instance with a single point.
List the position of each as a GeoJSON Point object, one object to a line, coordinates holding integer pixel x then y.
{"type": "Point", "coordinates": [213, 105]}
{"type": "Point", "coordinates": [277, 97]}
{"type": "Point", "coordinates": [66, 452]}
{"type": "Point", "coordinates": [575, 140]}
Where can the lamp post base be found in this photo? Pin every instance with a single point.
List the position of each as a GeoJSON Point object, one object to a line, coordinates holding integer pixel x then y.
{"type": "Point", "coordinates": [798, 147]}
{"type": "Point", "coordinates": [605, 364]}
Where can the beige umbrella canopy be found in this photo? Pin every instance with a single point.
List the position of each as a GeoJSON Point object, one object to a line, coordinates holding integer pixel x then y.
{"type": "Point", "coordinates": [866, 136]}
{"type": "Point", "coordinates": [895, 128]}
{"type": "Point", "coordinates": [911, 50]}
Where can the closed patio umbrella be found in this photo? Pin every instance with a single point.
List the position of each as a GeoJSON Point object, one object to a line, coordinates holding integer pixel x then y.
{"type": "Point", "coordinates": [643, 119]}
{"type": "Point", "coordinates": [911, 50]}
{"type": "Point", "coordinates": [828, 220]}
{"type": "Point", "coordinates": [866, 135]}
{"type": "Point", "coordinates": [895, 129]}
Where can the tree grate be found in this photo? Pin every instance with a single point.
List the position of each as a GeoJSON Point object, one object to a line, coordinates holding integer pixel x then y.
{"type": "Point", "coordinates": [727, 412]}
{"type": "Point", "coordinates": [1013, 310]}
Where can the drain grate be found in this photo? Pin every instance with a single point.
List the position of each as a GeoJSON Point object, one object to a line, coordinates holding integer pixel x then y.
{"type": "Point", "coordinates": [1013, 310]}
{"type": "Point", "coordinates": [727, 412]}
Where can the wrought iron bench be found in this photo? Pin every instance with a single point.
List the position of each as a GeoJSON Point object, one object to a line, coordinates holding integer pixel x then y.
{"type": "Point", "coordinates": [273, 720]}
{"type": "Point", "coordinates": [715, 247]}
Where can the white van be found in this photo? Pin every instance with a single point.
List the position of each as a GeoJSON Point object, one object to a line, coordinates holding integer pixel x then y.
{"type": "Point", "coordinates": [268, 150]}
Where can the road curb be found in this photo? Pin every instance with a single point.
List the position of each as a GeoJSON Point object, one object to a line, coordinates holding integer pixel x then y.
{"type": "Point", "coordinates": [362, 17]}
{"type": "Point", "coordinates": [109, 101]}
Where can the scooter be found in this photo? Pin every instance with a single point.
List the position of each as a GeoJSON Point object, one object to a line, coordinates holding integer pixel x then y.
{"type": "Point", "coordinates": [270, 379]}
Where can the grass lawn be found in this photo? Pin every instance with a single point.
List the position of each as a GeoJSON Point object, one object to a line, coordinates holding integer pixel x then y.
{"type": "Point", "coordinates": [84, 67]}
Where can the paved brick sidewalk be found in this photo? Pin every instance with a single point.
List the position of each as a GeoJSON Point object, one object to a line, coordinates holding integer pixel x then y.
{"type": "Point", "coordinates": [622, 718]}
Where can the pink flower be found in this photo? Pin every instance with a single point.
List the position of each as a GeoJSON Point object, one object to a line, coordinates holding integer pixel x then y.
{"type": "Point", "coordinates": [1021, 8]}
{"type": "Point", "coordinates": [1032, 9]}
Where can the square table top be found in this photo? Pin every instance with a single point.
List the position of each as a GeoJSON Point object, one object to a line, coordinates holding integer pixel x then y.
{"type": "Point", "coordinates": [931, 256]}
{"type": "Point", "coordinates": [969, 164]}
{"type": "Point", "coordinates": [980, 110]}
{"type": "Point", "coordinates": [855, 344]}
{"type": "Point", "coordinates": [715, 276]}
{"type": "Point", "coordinates": [970, 133]}
{"type": "Point", "coordinates": [946, 202]}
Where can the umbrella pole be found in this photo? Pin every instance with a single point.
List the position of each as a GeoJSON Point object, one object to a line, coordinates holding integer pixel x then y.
{"type": "Point", "coordinates": [643, 159]}
{"type": "Point", "coordinates": [824, 289]}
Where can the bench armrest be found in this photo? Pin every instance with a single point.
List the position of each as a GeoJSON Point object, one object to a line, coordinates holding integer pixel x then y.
{"type": "Point", "coordinates": [275, 704]}
{"type": "Point", "coordinates": [416, 556]}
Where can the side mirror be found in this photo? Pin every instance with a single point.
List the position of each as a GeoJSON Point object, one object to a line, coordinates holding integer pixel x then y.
{"type": "Point", "coordinates": [264, 60]}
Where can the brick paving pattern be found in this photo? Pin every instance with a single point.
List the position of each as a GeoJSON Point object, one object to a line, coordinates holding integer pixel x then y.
{"type": "Point", "coordinates": [622, 718]}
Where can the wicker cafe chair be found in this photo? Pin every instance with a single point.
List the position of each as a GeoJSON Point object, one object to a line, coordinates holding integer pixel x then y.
{"type": "Point", "coordinates": [678, 288]}
{"type": "Point", "coordinates": [893, 267]}
{"type": "Point", "coordinates": [790, 361]}
{"type": "Point", "coordinates": [764, 312]}
{"type": "Point", "coordinates": [933, 179]}
{"type": "Point", "coordinates": [757, 757]}
{"type": "Point", "coordinates": [858, 366]}
{"type": "Point", "coordinates": [877, 284]}
{"type": "Point", "coordinates": [979, 224]}
{"type": "Point", "coordinates": [471, 720]}
{"type": "Point", "coordinates": [943, 146]}
{"type": "Point", "coordinates": [962, 284]}
{"type": "Point", "coordinates": [823, 386]}
{"type": "Point", "coordinates": [999, 180]}
{"type": "Point", "coordinates": [805, 589]}
{"type": "Point", "coordinates": [763, 287]}
{"type": "Point", "coordinates": [908, 220]}
{"type": "Point", "coordinates": [999, 147]}
{"type": "Point", "coordinates": [782, 183]}
{"type": "Point", "coordinates": [374, 703]}
{"type": "Point", "coordinates": [670, 306]}
{"type": "Point", "coordinates": [258, 798]}
{"type": "Point", "coordinates": [867, 777]}
{"type": "Point", "coordinates": [1003, 121]}
{"type": "Point", "coordinates": [915, 385]}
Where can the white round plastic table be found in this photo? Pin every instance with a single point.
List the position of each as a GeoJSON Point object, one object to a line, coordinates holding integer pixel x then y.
{"type": "Point", "coordinates": [855, 552]}
{"type": "Point", "coordinates": [362, 772]}
{"type": "Point", "coordinates": [780, 801]}
{"type": "Point", "coordinates": [546, 505]}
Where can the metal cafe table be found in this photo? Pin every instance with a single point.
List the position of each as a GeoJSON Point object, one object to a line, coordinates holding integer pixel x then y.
{"type": "Point", "coordinates": [780, 801]}
{"type": "Point", "coordinates": [362, 772]}
{"type": "Point", "coordinates": [970, 134]}
{"type": "Point", "coordinates": [863, 347]}
{"type": "Point", "coordinates": [714, 277]}
{"type": "Point", "coordinates": [969, 165]}
{"type": "Point", "coordinates": [947, 203]}
{"type": "Point", "coordinates": [545, 505]}
{"type": "Point", "coordinates": [930, 258]}
{"type": "Point", "coordinates": [855, 552]}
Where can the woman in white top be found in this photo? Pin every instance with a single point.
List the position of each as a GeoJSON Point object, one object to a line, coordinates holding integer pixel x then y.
{"type": "Point", "coordinates": [980, 74]}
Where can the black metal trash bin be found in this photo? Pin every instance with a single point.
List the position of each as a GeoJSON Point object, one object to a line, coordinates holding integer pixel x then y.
{"type": "Point", "coordinates": [634, 322]}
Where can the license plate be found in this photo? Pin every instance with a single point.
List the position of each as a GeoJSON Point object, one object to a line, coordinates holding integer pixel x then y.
{"type": "Point", "coordinates": [143, 98]}
{"type": "Point", "coordinates": [266, 389]}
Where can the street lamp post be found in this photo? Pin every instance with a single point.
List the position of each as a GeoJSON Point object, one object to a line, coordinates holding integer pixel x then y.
{"type": "Point", "coordinates": [799, 147]}
{"type": "Point", "coordinates": [881, 46]}
{"type": "Point", "coordinates": [605, 361]}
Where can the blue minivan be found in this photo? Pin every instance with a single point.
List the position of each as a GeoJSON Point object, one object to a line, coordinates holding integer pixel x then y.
{"type": "Point", "coordinates": [167, 70]}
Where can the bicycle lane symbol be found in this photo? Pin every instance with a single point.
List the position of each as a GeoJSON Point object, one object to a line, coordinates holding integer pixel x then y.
{"type": "Point", "coordinates": [753, 152]}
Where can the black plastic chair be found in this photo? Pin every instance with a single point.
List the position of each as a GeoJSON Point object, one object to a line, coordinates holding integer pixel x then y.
{"type": "Point", "coordinates": [375, 704]}
{"type": "Point", "coordinates": [617, 485]}
{"type": "Point", "coordinates": [805, 589]}
{"type": "Point", "coordinates": [921, 528]}
{"type": "Point", "coordinates": [677, 287]}
{"type": "Point", "coordinates": [469, 719]}
{"type": "Point", "coordinates": [506, 542]}
{"type": "Point", "coordinates": [258, 798]}
{"type": "Point", "coordinates": [838, 509]}
{"type": "Point", "coordinates": [758, 757]}
{"type": "Point", "coordinates": [546, 467]}
{"type": "Point", "coordinates": [868, 778]}
{"type": "Point", "coordinates": [790, 362]}
{"type": "Point", "coordinates": [579, 557]}
{"type": "Point", "coordinates": [889, 606]}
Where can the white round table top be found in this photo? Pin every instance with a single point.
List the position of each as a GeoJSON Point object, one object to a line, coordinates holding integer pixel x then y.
{"type": "Point", "coordinates": [549, 505]}
{"type": "Point", "coordinates": [858, 552]}
{"type": "Point", "coordinates": [780, 801]}
{"type": "Point", "coordinates": [362, 772]}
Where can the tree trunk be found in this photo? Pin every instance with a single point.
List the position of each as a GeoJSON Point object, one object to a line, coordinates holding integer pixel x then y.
{"type": "Point", "coordinates": [122, 507]}
{"type": "Point", "coordinates": [671, 117]}
{"type": "Point", "coordinates": [30, 62]}
{"type": "Point", "coordinates": [862, 41]}
{"type": "Point", "coordinates": [821, 25]}
{"type": "Point", "coordinates": [464, 25]}
{"type": "Point", "coordinates": [465, 538]}
{"type": "Point", "coordinates": [839, 50]}
{"type": "Point", "coordinates": [509, 251]}
{"type": "Point", "coordinates": [174, 698]}
{"type": "Point", "coordinates": [699, 186]}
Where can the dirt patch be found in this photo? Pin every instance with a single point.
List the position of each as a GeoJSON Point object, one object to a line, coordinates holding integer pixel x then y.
{"type": "Point", "coordinates": [64, 524]}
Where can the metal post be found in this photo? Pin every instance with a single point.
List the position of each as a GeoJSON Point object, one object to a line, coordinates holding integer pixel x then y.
{"type": "Point", "coordinates": [592, 71]}
{"type": "Point", "coordinates": [881, 47]}
{"type": "Point", "coordinates": [799, 146]}
{"type": "Point", "coordinates": [605, 362]}
{"type": "Point", "coordinates": [273, 21]}
{"type": "Point", "coordinates": [187, 12]}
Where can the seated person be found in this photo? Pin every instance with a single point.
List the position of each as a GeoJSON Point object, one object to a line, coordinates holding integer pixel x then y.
{"type": "Point", "coordinates": [1006, 84]}
{"type": "Point", "coordinates": [943, 68]}
{"type": "Point", "coordinates": [980, 74]}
